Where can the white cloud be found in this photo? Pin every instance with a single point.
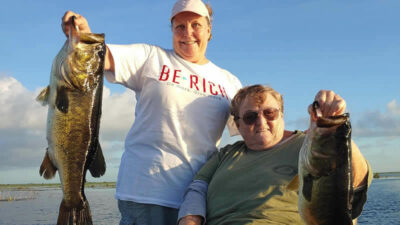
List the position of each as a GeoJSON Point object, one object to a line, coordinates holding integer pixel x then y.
{"type": "Point", "coordinates": [19, 108]}
{"type": "Point", "coordinates": [393, 107]}
{"type": "Point", "coordinates": [117, 114]}
{"type": "Point", "coordinates": [23, 125]}
{"type": "Point", "coordinates": [23, 128]}
{"type": "Point", "coordinates": [377, 124]}
{"type": "Point", "coordinates": [382, 152]}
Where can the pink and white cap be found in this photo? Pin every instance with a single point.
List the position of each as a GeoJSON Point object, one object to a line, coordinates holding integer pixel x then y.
{"type": "Point", "coordinates": [195, 6]}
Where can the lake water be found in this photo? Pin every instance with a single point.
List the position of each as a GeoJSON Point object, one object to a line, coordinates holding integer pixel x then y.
{"type": "Point", "coordinates": [383, 204]}
{"type": "Point", "coordinates": [43, 209]}
{"type": "Point", "coordinates": [382, 207]}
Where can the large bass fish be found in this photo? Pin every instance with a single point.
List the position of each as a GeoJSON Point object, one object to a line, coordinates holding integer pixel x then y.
{"type": "Point", "coordinates": [325, 171]}
{"type": "Point", "coordinates": [74, 99]}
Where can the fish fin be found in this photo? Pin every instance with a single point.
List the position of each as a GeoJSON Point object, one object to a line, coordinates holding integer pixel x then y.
{"type": "Point", "coordinates": [47, 169]}
{"type": "Point", "coordinates": [62, 99]}
{"type": "Point", "coordinates": [43, 96]}
{"type": "Point", "coordinates": [98, 166]}
{"type": "Point", "coordinates": [293, 184]}
{"type": "Point", "coordinates": [307, 187]}
{"type": "Point", "coordinates": [74, 216]}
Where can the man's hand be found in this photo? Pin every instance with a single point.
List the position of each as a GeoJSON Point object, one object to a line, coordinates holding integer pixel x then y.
{"type": "Point", "coordinates": [191, 220]}
{"type": "Point", "coordinates": [330, 103]}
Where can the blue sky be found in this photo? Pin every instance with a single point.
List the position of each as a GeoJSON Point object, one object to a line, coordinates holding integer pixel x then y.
{"type": "Point", "coordinates": [297, 47]}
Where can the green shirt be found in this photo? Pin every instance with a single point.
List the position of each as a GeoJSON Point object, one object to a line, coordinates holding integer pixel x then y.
{"type": "Point", "coordinates": [250, 187]}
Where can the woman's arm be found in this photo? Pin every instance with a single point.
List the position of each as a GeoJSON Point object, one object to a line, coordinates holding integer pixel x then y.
{"type": "Point", "coordinates": [109, 61]}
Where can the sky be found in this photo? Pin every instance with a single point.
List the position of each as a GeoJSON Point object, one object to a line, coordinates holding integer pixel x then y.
{"type": "Point", "coordinates": [298, 47]}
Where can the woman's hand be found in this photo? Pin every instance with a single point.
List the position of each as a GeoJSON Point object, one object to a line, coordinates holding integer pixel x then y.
{"type": "Point", "coordinates": [80, 22]}
{"type": "Point", "coordinates": [83, 26]}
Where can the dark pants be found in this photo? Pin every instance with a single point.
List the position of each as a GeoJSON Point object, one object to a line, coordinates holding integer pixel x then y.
{"type": "Point", "coordinates": [133, 213]}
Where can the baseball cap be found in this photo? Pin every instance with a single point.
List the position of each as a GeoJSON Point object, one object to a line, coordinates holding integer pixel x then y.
{"type": "Point", "coordinates": [195, 6]}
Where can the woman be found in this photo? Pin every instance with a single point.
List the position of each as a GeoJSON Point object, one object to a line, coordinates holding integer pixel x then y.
{"type": "Point", "coordinates": [182, 108]}
{"type": "Point", "coordinates": [247, 182]}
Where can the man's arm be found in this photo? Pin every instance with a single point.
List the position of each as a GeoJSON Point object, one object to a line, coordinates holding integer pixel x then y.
{"type": "Point", "coordinates": [360, 167]}
{"type": "Point", "coordinates": [193, 208]}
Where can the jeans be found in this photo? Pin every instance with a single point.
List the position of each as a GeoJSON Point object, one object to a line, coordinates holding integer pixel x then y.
{"type": "Point", "coordinates": [133, 213]}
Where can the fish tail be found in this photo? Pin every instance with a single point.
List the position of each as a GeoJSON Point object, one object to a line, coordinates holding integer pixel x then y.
{"type": "Point", "coordinates": [75, 216]}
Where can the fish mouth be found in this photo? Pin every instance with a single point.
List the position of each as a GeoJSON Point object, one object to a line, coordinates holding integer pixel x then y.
{"type": "Point", "coordinates": [327, 122]}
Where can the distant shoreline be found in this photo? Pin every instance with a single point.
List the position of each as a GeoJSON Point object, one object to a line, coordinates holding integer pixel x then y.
{"type": "Point", "coordinates": [379, 175]}
{"type": "Point", "coordinates": [54, 185]}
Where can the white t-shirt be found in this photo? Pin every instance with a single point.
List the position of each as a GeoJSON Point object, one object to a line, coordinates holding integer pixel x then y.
{"type": "Point", "coordinates": [181, 111]}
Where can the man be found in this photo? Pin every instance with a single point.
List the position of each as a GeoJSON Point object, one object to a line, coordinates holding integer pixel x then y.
{"type": "Point", "coordinates": [247, 182]}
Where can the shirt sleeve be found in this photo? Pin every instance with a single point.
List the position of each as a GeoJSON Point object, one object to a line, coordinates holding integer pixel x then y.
{"type": "Point", "coordinates": [128, 59]}
{"type": "Point", "coordinates": [195, 197]}
{"type": "Point", "coordinates": [194, 200]}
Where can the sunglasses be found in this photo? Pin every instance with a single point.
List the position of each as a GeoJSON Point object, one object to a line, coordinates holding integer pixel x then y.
{"type": "Point", "coordinates": [251, 117]}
